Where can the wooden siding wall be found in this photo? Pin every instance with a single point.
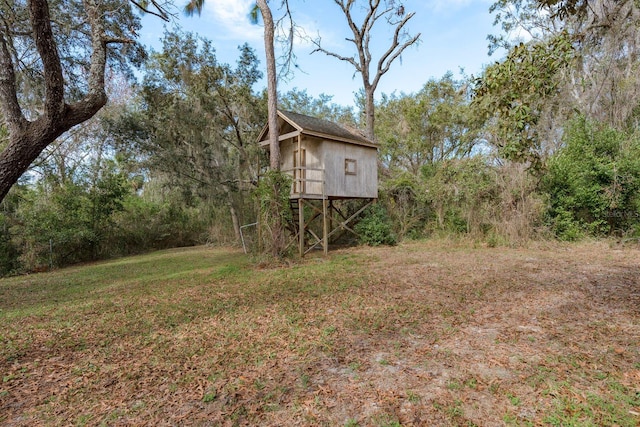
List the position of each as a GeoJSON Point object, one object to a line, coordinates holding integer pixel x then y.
{"type": "Point", "coordinates": [331, 156]}
{"type": "Point", "coordinates": [338, 184]}
{"type": "Point", "coordinates": [312, 158]}
{"type": "Point", "coordinates": [314, 161]}
{"type": "Point", "coordinates": [286, 154]}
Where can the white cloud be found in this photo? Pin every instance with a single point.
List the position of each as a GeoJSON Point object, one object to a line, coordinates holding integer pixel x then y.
{"type": "Point", "coordinates": [232, 19]}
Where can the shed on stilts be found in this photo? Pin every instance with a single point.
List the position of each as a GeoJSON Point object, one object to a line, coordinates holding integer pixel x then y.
{"type": "Point", "coordinates": [329, 165]}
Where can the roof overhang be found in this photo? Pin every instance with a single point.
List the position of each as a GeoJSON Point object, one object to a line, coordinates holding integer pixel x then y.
{"type": "Point", "coordinates": [295, 134]}
{"type": "Point", "coordinates": [263, 138]}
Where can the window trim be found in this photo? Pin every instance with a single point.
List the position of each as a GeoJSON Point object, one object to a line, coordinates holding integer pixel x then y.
{"type": "Point", "coordinates": [350, 167]}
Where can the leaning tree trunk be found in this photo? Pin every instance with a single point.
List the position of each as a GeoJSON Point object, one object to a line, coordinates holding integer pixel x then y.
{"type": "Point", "coordinates": [233, 212]}
{"type": "Point", "coordinates": [27, 139]}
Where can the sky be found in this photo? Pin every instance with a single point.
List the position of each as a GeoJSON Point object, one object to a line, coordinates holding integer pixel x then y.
{"type": "Point", "coordinates": [453, 36]}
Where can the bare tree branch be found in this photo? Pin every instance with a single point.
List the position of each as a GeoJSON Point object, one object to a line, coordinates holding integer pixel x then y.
{"type": "Point", "coordinates": [48, 51]}
{"type": "Point", "coordinates": [394, 50]}
{"type": "Point", "coordinates": [361, 61]}
{"type": "Point", "coordinates": [8, 98]}
{"type": "Point", "coordinates": [162, 14]}
{"type": "Point", "coordinates": [348, 59]}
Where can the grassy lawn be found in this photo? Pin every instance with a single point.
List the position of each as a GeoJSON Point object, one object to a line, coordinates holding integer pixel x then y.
{"type": "Point", "coordinates": [426, 333]}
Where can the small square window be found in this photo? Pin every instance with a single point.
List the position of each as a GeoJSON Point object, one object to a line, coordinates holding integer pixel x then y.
{"type": "Point", "coordinates": [350, 166]}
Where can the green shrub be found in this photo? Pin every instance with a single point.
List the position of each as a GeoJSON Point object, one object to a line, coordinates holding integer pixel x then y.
{"type": "Point", "coordinates": [460, 193]}
{"type": "Point", "coordinates": [375, 228]}
{"type": "Point", "coordinates": [273, 193]}
{"type": "Point", "coordinates": [593, 182]}
{"type": "Point", "coordinates": [404, 197]}
{"type": "Point", "coordinates": [146, 225]}
{"type": "Point", "coordinates": [8, 252]}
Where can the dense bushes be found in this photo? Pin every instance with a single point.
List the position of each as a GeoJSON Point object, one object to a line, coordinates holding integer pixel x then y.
{"type": "Point", "coordinates": [273, 192]}
{"type": "Point", "coordinates": [73, 223]}
{"type": "Point", "coordinates": [593, 182]}
{"type": "Point", "coordinates": [375, 228]}
{"type": "Point", "coordinates": [75, 216]}
{"type": "Point", "coordinates": [471, 196]}
{"type": "Point", "coordinates": [589, 187]}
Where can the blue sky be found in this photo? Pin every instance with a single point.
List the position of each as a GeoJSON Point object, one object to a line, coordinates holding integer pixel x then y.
{"type": "Point", "coordinates": [453, 35]}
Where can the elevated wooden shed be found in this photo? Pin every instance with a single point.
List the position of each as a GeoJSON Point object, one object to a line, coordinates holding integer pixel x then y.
{"type": "Point", "coordinates": [328, 164]}
{"type": "Point", "coordinates": [317, 151]}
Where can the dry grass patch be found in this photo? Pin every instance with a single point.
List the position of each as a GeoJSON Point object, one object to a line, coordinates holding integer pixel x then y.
{"type": "Point", "coordinates": [428, 333]}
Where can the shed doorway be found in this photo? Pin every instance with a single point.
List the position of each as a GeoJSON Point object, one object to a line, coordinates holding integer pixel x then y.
{"type": "Point", "coordinates": [299, 170]}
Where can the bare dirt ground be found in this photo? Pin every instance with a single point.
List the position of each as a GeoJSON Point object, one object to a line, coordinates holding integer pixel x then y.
{"type": "Point", "coordinates": [423, 334]}
{"type": "Point", "coordinates": [520, 337]}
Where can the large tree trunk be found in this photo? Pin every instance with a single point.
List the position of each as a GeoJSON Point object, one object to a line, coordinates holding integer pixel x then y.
{"type": "Point", "coordinates": [369, 110]}
{"type": "Point", "coordinates": [277, 225]}
{"type": "Point", "coordinates": [27, 139]}
{"type": "Point", "coordinates": [272, 91]}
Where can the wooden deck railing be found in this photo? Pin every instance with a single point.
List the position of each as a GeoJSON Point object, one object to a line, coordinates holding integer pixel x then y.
{"type": "Point", "coordinates": [302, 182]}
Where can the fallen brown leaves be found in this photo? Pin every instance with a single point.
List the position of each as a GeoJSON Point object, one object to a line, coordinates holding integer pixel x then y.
{"type": "Point", "coordinates": [430, 333]}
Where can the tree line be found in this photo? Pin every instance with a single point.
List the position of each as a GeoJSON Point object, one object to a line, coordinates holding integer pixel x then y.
{"type": "Point", "coordinates": [542, 144]}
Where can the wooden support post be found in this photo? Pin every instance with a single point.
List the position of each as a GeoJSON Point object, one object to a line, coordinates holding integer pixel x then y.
{"type": "Point", "coordinates": [301, 227]}
{"type": "Point", "coordinates": [325, 226]}
{"type": "Point", "coordinates": [330, 208]}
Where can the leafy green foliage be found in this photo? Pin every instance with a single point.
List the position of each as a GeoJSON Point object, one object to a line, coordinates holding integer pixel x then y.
{"type": "Point", "coordinates": [200, 117]}
{"type": "Point", "coordinates": [322, 107]}
{"type": "Point", "coordinates": [375, 228]}
{"type": "Point", "coordinates": [459, 193]}
{"type": "Point", "coordinates": [8, 251]}
{"type": "Point", "coordinates": [512, 95]}
{"type": "Point", "coordinates": [273, 193]}
{"type": "Point", "coordinates": [93, 214]}
{"type": "Point", "coordinates": [474, 196]}
{"type": "Point", "coordinates": [594, 182]}
{"type": "Point", "coordinates": [74, 217]}
{"type": "Point", "coordinates": [145, 224]}
{"type": "Point", "coordinates": [403, 195]}
{"type": "Point", "coordinates": [427, 127]}
{"type": "Point", "coordinates": [196, 123]}
{"type": "Point", "coordinates": [566, 8]}
{"type": "Point", "coordinates": [72, 32]}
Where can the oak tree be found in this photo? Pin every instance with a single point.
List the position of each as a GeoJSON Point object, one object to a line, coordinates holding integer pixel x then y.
{"type": "Point", "coordinates": [53, 57]}
{"type": "Point", "coordinates": [602, 82]}
{"type": "Point", "coordinates": [197, 120]}
{"type": "Point", "coordinates": [264, 10]}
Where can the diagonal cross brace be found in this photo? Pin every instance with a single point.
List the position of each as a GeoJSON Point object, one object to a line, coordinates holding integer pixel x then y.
{"type": "Point", "coordinates": [343, 224]}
